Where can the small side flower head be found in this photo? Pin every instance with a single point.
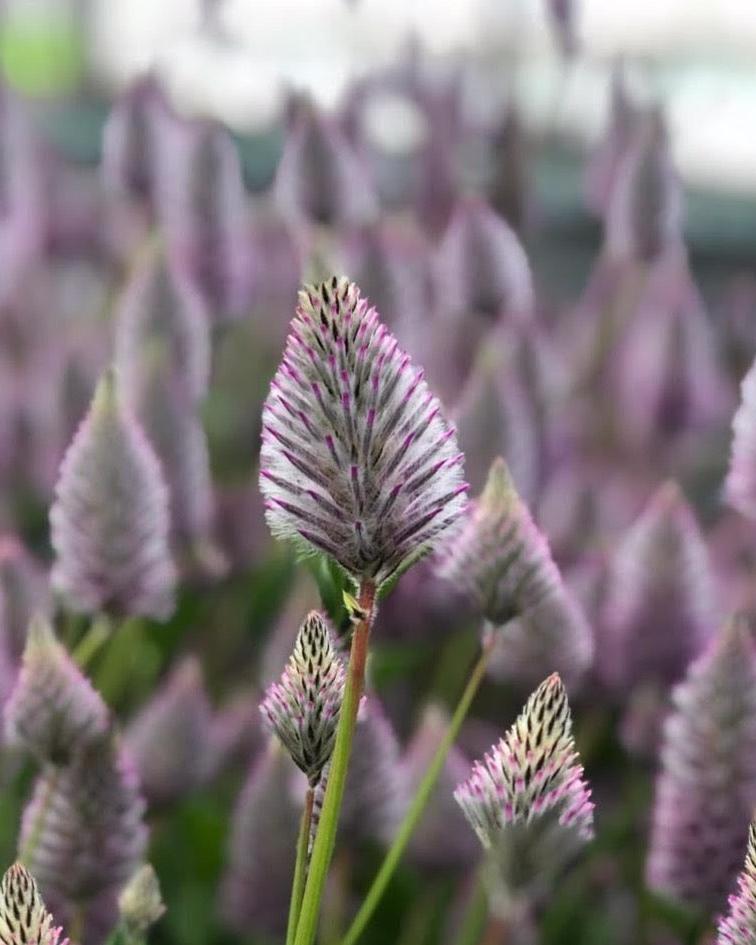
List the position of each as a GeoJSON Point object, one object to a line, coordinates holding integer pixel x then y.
{"type": "Point", "coordinates": [532, 772]}
{"type": "Point", "coordinates": [24, 920]}
{"type": "Point", "coordinates": [140, 903]}
{"type": "Point", "coordinates": [302, 709]}
{"type": "Point", "coordinates": [357, 459]}
{"type": "Point", "coordinates": [110, 520]}
{"type": "Point", "coordinates": [53, 711]}
{"type": "Point", "coordinates": [738, 927]}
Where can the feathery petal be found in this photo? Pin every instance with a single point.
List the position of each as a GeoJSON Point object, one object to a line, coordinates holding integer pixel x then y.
{"type": "Point", "coordinates": [303, 708]}
{"type": "Point", "coordinates": [110, 520]}
{"type": "Point", "coordinates": [739, 926]}
{"type": "Point", "coordinates": [357, 460]}
{"type": "Point", "coordinates": [706, 789]}
{"type": "Point", "coordinates": [53, 710]}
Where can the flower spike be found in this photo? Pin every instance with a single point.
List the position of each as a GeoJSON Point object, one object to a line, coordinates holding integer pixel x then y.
{"type": "Point", "coordinates": [357, 460]}
{"type": "Point", "coordinates": [303, 708]}
{"type": "Point", "coordinates": [24, 920]}
{"type": "Point", "coordinates": [739, 926]}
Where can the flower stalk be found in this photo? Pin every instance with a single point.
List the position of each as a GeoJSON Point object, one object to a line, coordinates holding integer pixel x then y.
{"type": "Point", "coordinates": [300, 868]}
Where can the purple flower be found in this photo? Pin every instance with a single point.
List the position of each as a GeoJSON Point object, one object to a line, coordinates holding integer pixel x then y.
{"type": "Point", "coordinates": [658, 610]}
{"type": "Point", "coordinates": [53, 710]}
{"type": "Point", "coordinates": [83, 829]}
{"type": "Point", "coordinates": [110, 519]}
{"type": "Point", "coordinates": [24, 920]}
{"type": "Point", "coordinates": [320, 178]}
{"type": "Point", "coordinates": [481, 264]}
{"type": "Point", "coordinates": [170, 739]}
{"type": "Point", "coordinates": [357, 460]}
{"type": "Point", "coordinates": [303, 708]}
{"type": "Point", "coordinates": [527, 799]}
{"type": "Point", "coordinates": [706, 789]}
{"type": "Point", "coordinates": [740, 486]}
{"type": "Point", "coordinates": [739, 926]}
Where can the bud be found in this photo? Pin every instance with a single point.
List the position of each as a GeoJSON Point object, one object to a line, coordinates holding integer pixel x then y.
{"type": "Point", "coordinates": [53, 711]}
{"type": "Point", "coordinates": [740, 485]}
{"type": "Point", "coordinates": [503, 563]}
{"type": "Point", "coordinates": [706, 789]}
{"type": "Point", "coordinates": [170, 739]}
{"type": "Point", "coordinates": [357, 460]}
{"type": "Point", "coordinates": [739, 926]}
{"type": "Point", "coordinates": [24, 920]}
{"type": "Point", "coordinates": [481, 264]}
{"type": "Point", "coordinates": [660, 577]}
{"type": "Point", "coordinates": [83, 827]}
{"type": "Point", "coordinates": [528, 801]}
{"type": "Point", "coordinates": [303, 708]}
{"type": "Point", "coordinates": [320, 179]}
{"type": "Point", "coordinates": [140, 903]}
{"type": "Point", "coordinates": [110, 519]}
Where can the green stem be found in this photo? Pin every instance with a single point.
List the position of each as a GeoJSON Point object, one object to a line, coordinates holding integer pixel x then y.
{"type": "Point", "coordinates": [29, 848]}
{"type": "Point", "coordinates": [325, 838]}
{"type": "Point", "coordinates": [419, 802]}
{"type": "Point", "coordinates": [99, 631]}
{"type": "Point", "coordinates": [300, 869]}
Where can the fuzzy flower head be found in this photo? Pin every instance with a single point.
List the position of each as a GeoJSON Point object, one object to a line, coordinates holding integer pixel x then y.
{"type": "Point", "coordinates": [110, 520]}
{"type": "Point", "coordinates": [24, 920]}
{"type": "Point", "coordinates": [534, 770]}
{"type": "Point", "coordinates": [739, 926]}
{"type": "Point", "coordinates": [53, 709]}
{"type": "Point", "coordinates": [357, 460]}
{"type": "Point", "coordinates": [303, 708]}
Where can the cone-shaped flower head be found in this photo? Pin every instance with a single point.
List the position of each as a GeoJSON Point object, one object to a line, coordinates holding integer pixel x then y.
{"type": "Point", "coordinates": [110, 520]}
{"type": "Point", "coordinates": [738, 927]}
{"type": "Point", "coordinates": [257, 883]}
{"type": "Point", "coordinates": [24, 920]}
{"type": "Point", "coordinates": [503, 562]}
{"type": "Point", "coordinates": [659, 602]}
{"type": "Point", "coordinates": [482, 266]}
{"type": "Point", "coordinates": [140, 903]}
{"type": "Point", "coordinates": [528, 798]}
{"type": "Point", "coordinates": [706, 790]}
{"type": "Point", "coordinates": [740, 486]}
{"type": "Point", "coordinates": [645, 212]}
{"type": "Point", "coordinates": [53, 710]}
{"type": "Point", "coordinates": [357, 460]}
{"type": "Point", "coordinates": [91, 837]}
{"type": "Point", "coordinates": [320, 179]}
{"type": "Point", "coordinates": [170, 739]}
{"type": "Point", "coordinates": [303, 708]}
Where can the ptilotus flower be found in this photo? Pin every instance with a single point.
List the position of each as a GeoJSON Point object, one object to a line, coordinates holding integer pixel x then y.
{"type": "Point", "coordinates": [357, 459]}
{"type": "Point", "coordinates": [24, 920]}
{"type": "Point", "coordinates": [740, 486]}
{"type": "Point", "coordinates": [162, 318]}
{"type": "Point", "coordinates": [527, 800]}
{"type": "Point", "coordinates": [303, 708]}
{"type": "Point", "coordinates": [706, 789]}
{"type": "Point", "coordinates": [170, 739]}
{"type": "Point", "coordinates": [257, 883]}
{"type": "Point", "coordinates": [481, 264]}
{"type": "Point", "coordinates": [53, 710]}
{"type": "Point", "coordinates": [658, 609]}
{"type": "Point", "coordinates": [201, 204]}
{"type": "Point", "coordinates": [738, 927]}
{"type": "Point", "coordinates": [442, 840]}
{"type": "Point", "coordinates": [110, 521]}
{"type": "Point", "coordinates": [503, 562]}
{"type": "Point", "coordinates": [644, 215]}
{"type": "Point", "coordinates": [83, 831]}
{"type": "Point", "coordinates": [140, 903]}
{"type": "Point", "coordinates": [320, 179]}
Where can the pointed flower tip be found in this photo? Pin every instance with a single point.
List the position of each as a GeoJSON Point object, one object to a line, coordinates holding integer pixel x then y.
{"type": "Point", "coordinates": [24, 920]}
{"type": "Point", "coordinates": [40, 634]}
{"type": "Point", "coordinates": [738, 927]}
{"type": "Point", "coordinates": [499, 488]}
{"type": "Point", "coordinates": [303, 708]}
{"type": "Point", "coordinates": [534, 771]}
{"type": "Point", "coordinates": [358, 460]}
